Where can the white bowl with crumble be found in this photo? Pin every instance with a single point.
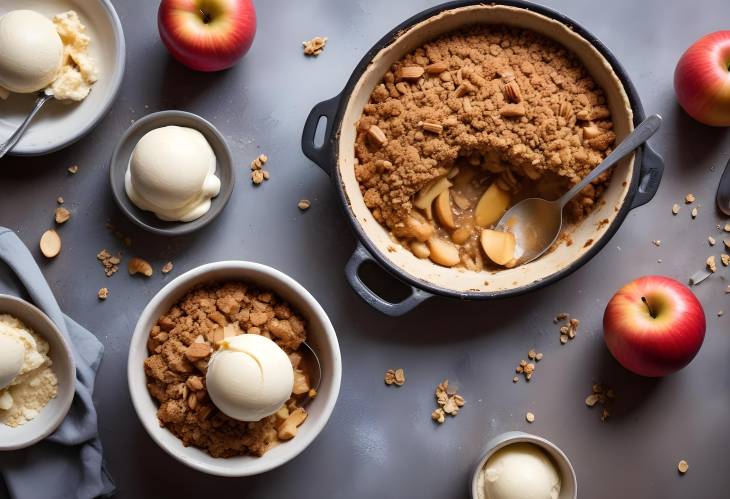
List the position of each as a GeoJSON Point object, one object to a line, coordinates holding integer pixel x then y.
{"type": "Point", "coordinates": [219, 373]}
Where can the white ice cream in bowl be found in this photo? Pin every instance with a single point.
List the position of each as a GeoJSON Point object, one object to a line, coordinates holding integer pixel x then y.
{"type": "Point", "coordinates": [249, 377]}
{"type": "Point", "coordinates": [518, 465]}
{"type": "Point", "coordinates": [12, 355]}
{"type": "Point", "coordinates": [172, 174]}
{"type": "Point", "coordinates": [31, 51]}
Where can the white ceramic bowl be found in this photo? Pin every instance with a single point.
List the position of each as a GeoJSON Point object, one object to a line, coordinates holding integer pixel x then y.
{"type": "Point", "coordinates": [60, 124]}
{"type": "Point", "coordinates": [320, 335]}
{"type": "Point", "coordinates": [51, 416]}
{"type": "Point", "coordinates": [569, 485]}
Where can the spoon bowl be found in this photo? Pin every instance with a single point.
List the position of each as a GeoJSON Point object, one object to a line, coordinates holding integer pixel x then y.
{"type": "Point", "coordinates": [723, 191]}
{"type": "Point", "coordinates": [536, 223]}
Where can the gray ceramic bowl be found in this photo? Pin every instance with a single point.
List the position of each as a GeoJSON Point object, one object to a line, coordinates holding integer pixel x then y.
{"type": "Point", "coordinates": [120, 160]}
{"type": "Point", "coordinates": [569, 486]}
{"type": "Point", "coordinates": [51, 416]}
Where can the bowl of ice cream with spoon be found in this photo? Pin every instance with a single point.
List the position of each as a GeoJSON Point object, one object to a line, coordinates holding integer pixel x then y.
{"type": "Point", "coordinates": [172, 172]}
{"type": "Point", "coordinates": [55, 52]}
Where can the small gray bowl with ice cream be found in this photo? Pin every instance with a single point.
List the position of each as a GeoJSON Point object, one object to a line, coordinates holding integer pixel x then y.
{"type": "Point", "coordinates": [172, 172]}
{"type": "Point", "coordinates": [524, 466]}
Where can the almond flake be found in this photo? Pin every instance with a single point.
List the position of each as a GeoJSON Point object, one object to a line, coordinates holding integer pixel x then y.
{"type": "Point", "coordinates": [437, 68]}
{"type": "Point", "coordinates": [410, 73]}
{"type": "Point", "coordinates": [689, 198]}
{"type": "Point", "coordinates": [694, 212]}
{"type": "Point", "coordinates": [530, 417]}
{"type": "Point", "coordinates": [675, 208]}
{"type": "Point", "coordinates": [682, 466]}
{"type": "Point", "coordinates": [711, 240]}
{"type": "Point", "coordinates": [73, 169]}
{"type": "Point", "coordinates": [377, 135]}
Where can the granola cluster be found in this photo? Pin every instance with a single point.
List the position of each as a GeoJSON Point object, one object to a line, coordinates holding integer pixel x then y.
{"type": "Point", "coordinates": [180, 345]}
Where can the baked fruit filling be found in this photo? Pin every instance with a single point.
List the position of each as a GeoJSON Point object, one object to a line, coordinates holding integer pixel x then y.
{"type": "Point", "coordinates": [467, 125]}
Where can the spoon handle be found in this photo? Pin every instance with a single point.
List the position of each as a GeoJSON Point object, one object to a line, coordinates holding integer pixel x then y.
{"type": "Point", "coordinates": [641, 134]}
{"type": "Point", "coordinates": [15, 137]}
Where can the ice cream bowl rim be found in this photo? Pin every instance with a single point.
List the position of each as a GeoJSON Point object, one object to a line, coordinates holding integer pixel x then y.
{"type": "Point", "coordinates": [120, 161]}
{"type": "Point", "coordinates": [569, 482]}
{"type": "Point", "coordinates": [321, 336]}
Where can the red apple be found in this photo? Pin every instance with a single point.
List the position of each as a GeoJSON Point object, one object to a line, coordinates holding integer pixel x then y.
{"type": "Point", "coordinates": [702, 79]}
{"type": "Point", "coordinates": [207, 35]}
{"type": "Point", "coordinates": [654, 326]}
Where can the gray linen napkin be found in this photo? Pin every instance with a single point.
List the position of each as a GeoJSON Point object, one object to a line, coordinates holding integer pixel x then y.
{"type": "Point", "coordinates": [68, 463]}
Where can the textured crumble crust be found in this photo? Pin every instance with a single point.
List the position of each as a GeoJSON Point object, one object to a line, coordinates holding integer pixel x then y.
{"type": "Point", "coordinates": [176, 372]}
{"type": "Point", "coordinates": [501, 99]}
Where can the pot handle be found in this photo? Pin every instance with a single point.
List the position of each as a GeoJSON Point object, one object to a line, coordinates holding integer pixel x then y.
{"type": "Point", "coordinates": [652, 167]}
{"type": "Point", "coordinates": [320, 155]}
{"type": "Point", "coordinates": [360, 256]}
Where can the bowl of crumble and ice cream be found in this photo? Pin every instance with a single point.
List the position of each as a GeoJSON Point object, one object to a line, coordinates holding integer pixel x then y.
{"type": "Point", "coordinates": [218, 373]}
{"type": "Point", "coordinates": [70, 49]}
{"type": "Point", "coordinates": [37, 374]}
{"type": "Point", "coordinates": [458, 114]}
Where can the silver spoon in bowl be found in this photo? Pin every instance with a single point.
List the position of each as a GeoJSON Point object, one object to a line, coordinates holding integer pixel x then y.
{"type": "Point", "coordinates": [311, 360]}
{"type": "Point", "coordinates": [40, 101]}
{"type": "Point", "coordinates": [536, 222]}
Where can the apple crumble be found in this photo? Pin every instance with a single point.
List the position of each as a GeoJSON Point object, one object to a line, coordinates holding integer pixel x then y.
{"type": "Point", "coordinates": [180, 345]}
{"type": "Point", "coordinates": [467, 125]}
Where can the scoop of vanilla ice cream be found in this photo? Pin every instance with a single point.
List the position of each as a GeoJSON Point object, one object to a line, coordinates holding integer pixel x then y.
{"type": "Point", "coordinates": [12, 355]}
{"type": "Point", "coordinates": [521, 471]}
{"type": "Point", "coordinates": [250, 377]}
{"type": "Point", "coordinates": [31, 51]}
{"type": "Point", "coordinates": [172, 174]}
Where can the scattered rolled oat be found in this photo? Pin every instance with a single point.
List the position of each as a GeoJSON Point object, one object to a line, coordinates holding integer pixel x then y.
{"type": "Point", "coordinates": [304, 204]}
{"type": "Point", "coordinates": [103, 293]}
{"type": "Point", "coordinates": [711, 265]}
{"type": "Point", "coordinates": [139, 266]}
{"type": "Point", "coordinates": [449, 401]}
{"type": "Point", "coordinates": [720, 313]}
{"type": "Point", "coordinates": [682, 467]}
{"type": "Point", "coordinates": [675, 208]}
{"type": "Point", "coordinates": [603, 397]}
{"type": "Point", "coordinates": [725, 259]}
{"type": "Point", "coordinates": [527, 369]}
{"type": "Point", "coordinates": [530, 417]}
{"type": "Point", "coordinates": [656, 242]}
{"type": "Point", "coordinates": [694, 212]}
{"type": "Point", "coordinates": [711, 240]}
{"type": "Point", "coordinates": [257, 176]}
{"type": "Point", "coordinates": [167, 268]}
{"type": "Point", "coordinates": [395, 377]}
{"type": "Point", "coordinates": [109, 262]}
{"type": "Point", "coordinates": [315, 46]}
{"type": "Point", "coordinates": [62, 215]}
{"type": "Point", "coordinates": [689, 198]}
{"type": "Point", "coordinates": [59, 200]}
{"type": "Point", "coordinates": [726, 242]}
{"type": "Point", "coordinates": [260, 161]}
{"type": "Point", "coordinates": [73, 169]}
{"type": "Point", "coordinates": [569, 330]}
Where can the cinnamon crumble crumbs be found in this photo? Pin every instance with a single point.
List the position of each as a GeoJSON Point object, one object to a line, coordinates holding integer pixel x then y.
{"type": "Point", "coordinates": [448, 401]}
{"type": "Point", "coordinates": [602, 397]}
{"type": "Point", "coordinates": [109, 262]}
{"type": "Point", "coordinates": [508, 104]}
{"type": "Point", "coordinates": [315, 46]}
{"type": "Point", "coordinates": [180, 345]}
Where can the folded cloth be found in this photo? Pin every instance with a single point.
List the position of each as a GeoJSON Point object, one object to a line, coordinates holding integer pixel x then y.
{"type": "Point", "coordinates": [68, 463]}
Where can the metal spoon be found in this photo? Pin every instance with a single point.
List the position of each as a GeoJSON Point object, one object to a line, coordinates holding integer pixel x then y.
{"type": "Point", "coordinates": [536, 222]}
{"type": "Point", "coordinates": [40, 101]}
{"type": "Point", "coordinates": [310, 359]}
{"type": "Point", "coordinates": [723, 191]}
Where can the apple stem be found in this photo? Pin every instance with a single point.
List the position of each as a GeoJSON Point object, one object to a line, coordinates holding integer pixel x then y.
{"type": "Point", "coordinates": [646, 302]}
{"type": "Point", "coordinates": [206, 16]}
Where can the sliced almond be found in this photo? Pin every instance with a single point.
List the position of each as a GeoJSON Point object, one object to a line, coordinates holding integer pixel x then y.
{"type": "Point", "coordinates": [442, 209]}
{"type": "Point", "coordinates": [491, 206]}
{"type": "Point", "coordinates": [499, 246]}
{"type": "Point", "coordinates": [591, 132]}
{"type": "Point", "coordinates": [432, 126]}
{"type": "Point", "coordinates": [424, 198]}
{"type": "Point", "coordinates": [50, 243]}
{"type": "Point", "coordinates": [197, 351]}
{"type": "Point", "coordinates": [410, 73]}
{"type": "Point", "coordinates": [443, 252]}
{"type": "Point", "coordinates": [377, 135]}
{"type": "Point", "coordinates": [437, 68]}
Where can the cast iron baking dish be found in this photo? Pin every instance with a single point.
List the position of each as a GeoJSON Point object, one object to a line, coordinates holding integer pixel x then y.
{"type": "Point", "coordinates": [635, 180]}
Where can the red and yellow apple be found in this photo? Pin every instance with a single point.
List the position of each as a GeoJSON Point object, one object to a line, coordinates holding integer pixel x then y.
{"type": "Point", "coordinates": [654, 326]}
{"type": "Point", "coordinates": [207, 35]}
{"type": "Point", "coordinates": [702, 79]}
